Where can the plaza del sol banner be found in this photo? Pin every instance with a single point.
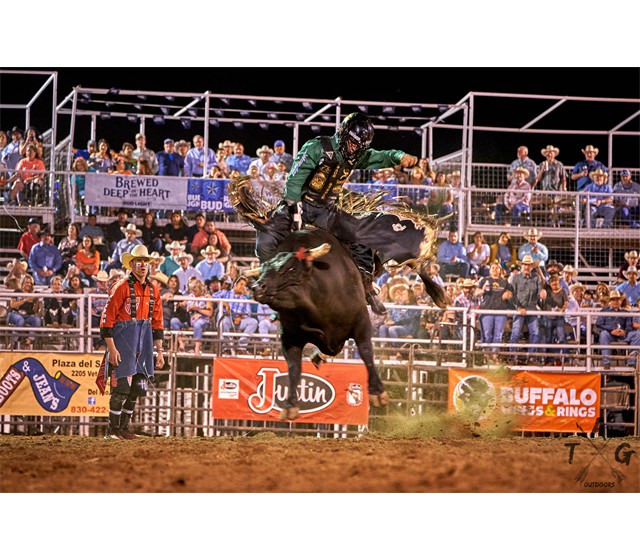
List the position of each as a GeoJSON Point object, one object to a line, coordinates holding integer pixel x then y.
{"type": "Point", "coordinates": [256, 389]}
{"type": "Point", "coordinates": [542, 402]}
{"type": "Point", "coordinates": [51, 385]}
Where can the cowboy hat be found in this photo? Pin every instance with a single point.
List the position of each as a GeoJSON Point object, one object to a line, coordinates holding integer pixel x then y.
{"type": "Point", "coordinates": [568, 268]}
{"type": "Point", "coordinates": [132, 228]}
{"type": "Point", "coordinates": [210, 250]}
{"type": "Point", "coordinates": [187, 256]}
{"type": "Point", "coordinates": [526, 260]}
{"type": "Point", "coordinates": [522, 170]}
{"type": "Point", "coordinates": [590, 148]}
{"type": "Point", "coordinates": [615, 294]}
{"type": "Point", "coordinates": [23, 264]}
{"type": "Point", "coordinates": [138, 252]}
{"type": "Point", "coordinates": [391, 264]}
{"type": "Point", "coordinates": [102, 276]}
{"type": "Point", "coordinates": [548, 149]}
{"type": "Point", "coordinates": [396, 287]}
{"type": "Point", "coordinates": [157, 256]}
{"type": "Point", "coordinates": [630, 269]}
{"type": "Point", "coordinates": [174, 245]}
{"type": "Point", "coordinates": [264, 148]}
{"type": "Point", "coordinates": [97, 241]}
{"type": "Point", "coordinates": [576, 286]}
{"type": "Point", "coordinates": [535, 233]}
{"type": "Point", "coordinates": [598, 173]}
{"type": "Point", "coordinates": [469, 283]}
{"type": "Point", "coordinates": [116, 273]}
{"type": "Point", "coordinates": [160, 277]}
{"type": "Point", "coordinates": [630, 255]}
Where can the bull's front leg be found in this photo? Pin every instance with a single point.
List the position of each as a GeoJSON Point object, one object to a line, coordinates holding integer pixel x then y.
{"type": "Point", "coordinates": [293, 355]}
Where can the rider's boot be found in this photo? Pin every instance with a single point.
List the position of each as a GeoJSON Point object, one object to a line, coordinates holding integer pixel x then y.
{"type": "Point", "coordinates": [371, 294]}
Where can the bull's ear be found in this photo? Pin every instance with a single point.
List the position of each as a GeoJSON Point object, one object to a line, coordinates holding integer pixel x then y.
{"type": "Point", "coordinates": [318, 252]}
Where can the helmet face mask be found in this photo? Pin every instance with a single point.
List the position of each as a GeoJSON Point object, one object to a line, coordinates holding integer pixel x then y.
{"type": "Point", "coordinates": [355, 135]}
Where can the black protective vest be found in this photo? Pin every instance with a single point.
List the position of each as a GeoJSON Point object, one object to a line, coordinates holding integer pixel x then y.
{"type": "Point", "coordinates": [325, 185]}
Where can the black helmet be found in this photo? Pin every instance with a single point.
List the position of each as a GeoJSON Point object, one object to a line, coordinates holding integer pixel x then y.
{"type": "Point", "coordinates": [358, 129]}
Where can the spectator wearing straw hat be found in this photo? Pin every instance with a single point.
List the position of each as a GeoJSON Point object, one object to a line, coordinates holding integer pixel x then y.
{"type": "Point", "coordinates": [210, 266]}
{"type": "Point", "coordinates": [171, 264]}
{"type": "Point", "coordinates": [582, 170]}
{"type": "Point", "coordinates": [631, 259]}
{"type": "Point", "coordinates": [568, 278]}
{"type": "Point", "coordinates": [630, 288]}
{"type": "Point", "coordinates": [264, 153]}
{"type": "Point", "coordinates": [154, 265]}
{"type": "Point", "coordinates": [598, 209]}
{"type": "Point", "coordinates": [131, 238]}
{"type": "Point", "coordinates": [536, 250]}
{"type": "Point", "coordinates": [551, 175]}
{"type": "Point", "coordinates": [17, 270]}
{"type": "Point", "coordinates": [517, 199]}
{"type": "Point", "coordinates": [400, 322]}
{"type": "Point", "coordinates": [577, 302]}
{"type": "Point", "coordinates": [615, 329]}
{"type": "Point", "coordinates": [186, 271]}
{"type": "Point", "coordinates": [628, 204]}
{"type": "Point", "coordinates": [528, 289]}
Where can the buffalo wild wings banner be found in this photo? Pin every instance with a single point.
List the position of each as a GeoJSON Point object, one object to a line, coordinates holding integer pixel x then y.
{"type": "Point", "coordinates": [256, 390]}
{"type": "Point", "coordinates": [51, 385]}
{"type": "Point", "coordinates": [541, 402]}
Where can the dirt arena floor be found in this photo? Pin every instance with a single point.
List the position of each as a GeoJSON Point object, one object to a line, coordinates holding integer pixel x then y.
{"type": "Point", "coordinates": [271, 463]}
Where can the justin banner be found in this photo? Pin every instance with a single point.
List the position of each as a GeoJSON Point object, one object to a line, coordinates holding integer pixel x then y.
{"type": "Point", "coordinates": [542, 402]}
{"type": "Point", "coordinates": [51, 386]}
{"type": "Point", "coordinates": [135, 191]}
{"type": "Point", "coordinates": [257, 389]}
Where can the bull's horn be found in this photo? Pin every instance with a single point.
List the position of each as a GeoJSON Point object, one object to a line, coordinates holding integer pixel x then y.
{"type": "Point", "coordinates": [253, 272]}
{"type": "Point", "coordinates": [320, 251]}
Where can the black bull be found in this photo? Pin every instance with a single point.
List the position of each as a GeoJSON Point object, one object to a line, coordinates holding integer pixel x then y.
{"type": "Point", "coordinates": [316, 288]}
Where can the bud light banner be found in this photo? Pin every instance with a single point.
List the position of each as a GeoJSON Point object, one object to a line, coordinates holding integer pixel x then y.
{"type": "Point", "coordinates": [540, 402]}
{"type": "Point", "coordinates": [135, 191]}
{"type": "Point", "coordinates": [257, 389]}
{"type": "Point", "coordinates": [208, 195]}
{"type": "Point", "coordinates": [51, 385]}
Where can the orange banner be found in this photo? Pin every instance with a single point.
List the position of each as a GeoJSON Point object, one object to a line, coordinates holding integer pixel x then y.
{"type": "Point", "coordinates": [542, 402]}
{"type": "Point", "coordinates": [257, 389]}
{"type": "Point", "coordinates": [51, 385]}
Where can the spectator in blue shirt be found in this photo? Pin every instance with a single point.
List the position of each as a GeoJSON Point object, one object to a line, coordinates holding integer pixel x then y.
{"type": "Point", "coordinates": [627, 207]}
{"type": "Point", "coordinates": [45, 259]}
{"type": "Point", "coordinates": [452, 257]}
{"type": "Point", "coordinates": [583, 169]}
{"type": "Point", "coordinates": [615, 329]}
{"type": "Point", "coordinates": [601, 204]}
{"type": "Point", "coordinates": [170, 163]}
{"type": "Point", "coordinates": [236, 316]}
{"type": "Point", "coordinates": [11, 153]}
{"type": "Point", "coordinates": [630, 288]}
{"type": "Point", "coordinates": [239, 161]}
{"type": "Point", "coordinates": [279, 155]}
{"type": "Point", "coordinates": [194, 162]}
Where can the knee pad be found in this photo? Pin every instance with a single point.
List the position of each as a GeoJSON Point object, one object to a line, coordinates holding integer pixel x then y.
{"type": "Point", "coordinates": [139, 385]}
{"type": "Point", "coordinates": [116, 401]}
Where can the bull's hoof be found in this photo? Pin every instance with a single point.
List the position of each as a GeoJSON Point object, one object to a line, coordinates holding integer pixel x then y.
{"type": "Point", "coordinates": [379, 400]}
{"type": "Point", "coordinates": [318, 358]}
{"type": "Point", "coordinates": [289, 414]}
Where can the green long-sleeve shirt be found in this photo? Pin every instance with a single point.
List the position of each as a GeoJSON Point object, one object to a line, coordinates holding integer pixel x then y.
{"type": "Point", "coordinates": [307, 160]}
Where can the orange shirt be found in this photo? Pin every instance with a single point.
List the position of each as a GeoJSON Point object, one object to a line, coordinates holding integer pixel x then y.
{"type": "Point", "coordinates": [88, 264]}
{"type": "Point", "coordinates": [118, 307]}
{"type": "Point", "coordinates": [24, 165]}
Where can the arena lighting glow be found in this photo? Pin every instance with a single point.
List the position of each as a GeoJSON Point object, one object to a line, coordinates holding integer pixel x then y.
{"type": "Point", "coordinates": [308, 106]}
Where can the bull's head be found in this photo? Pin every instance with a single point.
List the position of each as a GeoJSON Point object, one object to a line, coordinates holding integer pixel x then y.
{"type": "Point", "coordinates": [283, 277]}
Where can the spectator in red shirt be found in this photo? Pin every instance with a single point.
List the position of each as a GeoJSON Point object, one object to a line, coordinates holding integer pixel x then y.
{"type": "Point", "coordinates": [23, 179]}
{"type": "Point", "coordinates": [29, 238]}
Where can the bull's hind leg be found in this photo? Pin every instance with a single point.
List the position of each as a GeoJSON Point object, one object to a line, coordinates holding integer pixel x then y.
{"type": "Point", "coordinates": [293, 355]}
{"type": "Point", "coordinates": [377, 394]}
